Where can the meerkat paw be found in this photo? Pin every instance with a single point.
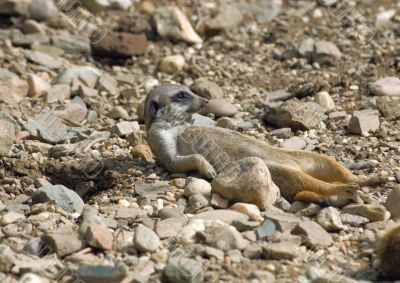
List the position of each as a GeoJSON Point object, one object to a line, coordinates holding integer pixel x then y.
{"type": "Point", "coordinates": [210, 172]}
{"type": "Point", "coordinates": [348, 190]}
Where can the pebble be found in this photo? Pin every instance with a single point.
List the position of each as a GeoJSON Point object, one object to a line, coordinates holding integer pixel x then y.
{"type": "Point", "coordinates": [280, 251]}
{"type": "Point", "coordinates": [146, 240]}
{"type": "Point", "coordinates": [101, 273]}
{"type": "Point", "coordinates": [168, 228]}
{"type": "Point", "coordinates": [242, 225]}
{"type": "Point", "coordinates": [219, 202]}
{"type": "Point", "coordinates": [88, 74]}
{"type": "Point", "coordinates": [42, 59]}
{"type": "Point", "coordinates": [125, 128]}
{"type": "Point", "coordinates": [225, 238]}
{"type": "Point", "coordinates": [181, 269]}
{"type": "Point", "coordinates": [392, 203]}
{"type": "Point", "coordinates": [329, 219]}
{"type": "Point", "coordinates": [249, 181]}
{"type": "Point", "coordinates": [172, 64]}
{"type": "Point", "coordinates": [326, 53]}
{"type": "Point", "coordinates": [313, 233]}
{"type": "Point", "coordinates": [388, 86]}
{"type": "Point", "coordinates": [371, 211]}
{"type": "Point", "coordinates": [364, 121]}
{"type": "Point", "coordinates": [283, 221]}
{"type": "Point", "coordinates": [249, 209]}
{"type": "Point", "coordinates": [118, 112]}
{"type": "Point", "coordinates": [11, 217]}
{"type": "Point", "coordinates": [196, 186]}
{"type": "Point", "coordinates": [37, 85]}
{"type": "Point", "coordinates": [65, 198]}
{"type": "Point", "coordinates": [325, 100]}
{"type": "Point", "coordinates": [171, 22]}
{"type": "Point", "coordinates": [198, 202]}
{"type": "Point", "coordinates": [225, 215]}
{"type": "Point", "coordinates": [99, 236]}
{"type": "Point", "coordinates": [353, 220]}
{"type": "Point", "coordinates": [266, 229]}
{"type": "Point", "coordinates": [64, 241]}
{"type": "Point", "coordinates": [293, 143]}
{"type": "Point", "coordinates": [58, 93]}
{"type": "Point", "coordinates": [207, 89]}
{"type": "Point", "coordinates": [13, 89]}
{"type": "Point", "coordinates": [220, 108]}
{"type": "Point", "coordinates": [42, 10]}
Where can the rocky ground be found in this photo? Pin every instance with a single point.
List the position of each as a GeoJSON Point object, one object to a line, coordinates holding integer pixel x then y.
{"type": "Point", "coordinates": [83, 199]}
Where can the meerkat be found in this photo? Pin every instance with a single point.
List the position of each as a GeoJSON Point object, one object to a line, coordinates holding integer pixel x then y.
{"type": "Point", "coordinates": [389, 253]}
{"type": "Point", "coordinates": [181, 147]}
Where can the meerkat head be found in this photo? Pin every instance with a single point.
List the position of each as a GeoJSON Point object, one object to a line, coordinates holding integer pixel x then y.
{"type": "Point", "coordinates": [171, 103]}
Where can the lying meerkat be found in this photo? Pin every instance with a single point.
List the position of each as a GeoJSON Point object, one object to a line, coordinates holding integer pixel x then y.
{"type": "Point", "coordinates": [181, 147]}
{"type": "Point", "coordinates": [389, 253]}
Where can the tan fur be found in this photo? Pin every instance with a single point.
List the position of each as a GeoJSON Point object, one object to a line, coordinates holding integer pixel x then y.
{"type": "Point", "coordinates": [389, 253]}
{"type": "Point", "coordinates": [183, 148]}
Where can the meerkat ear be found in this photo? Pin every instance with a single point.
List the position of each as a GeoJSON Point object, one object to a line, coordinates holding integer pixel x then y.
{"type": "Point", "coordinates": [154, 108]}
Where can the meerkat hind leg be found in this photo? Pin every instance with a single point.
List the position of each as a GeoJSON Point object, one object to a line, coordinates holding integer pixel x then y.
{"type": "Point", "coordinates": [292, 181]}
{"type": "Point", "coordinates": [326, 169]}
{"type": "Point", "coordinates": [308, 196]}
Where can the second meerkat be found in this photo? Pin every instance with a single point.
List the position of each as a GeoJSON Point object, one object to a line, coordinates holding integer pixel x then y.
{"type": "Point", "coordinates": [181, 147]}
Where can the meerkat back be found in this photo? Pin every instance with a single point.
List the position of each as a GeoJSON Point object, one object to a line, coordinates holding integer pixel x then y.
{"type": "Point", "coordinates": [389, 253]}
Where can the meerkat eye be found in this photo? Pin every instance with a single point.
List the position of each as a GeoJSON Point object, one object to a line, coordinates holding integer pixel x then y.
{"type": "Point", "coordinates": [182, 95]}
{"type": "Point", "coordinates": [154, 108]}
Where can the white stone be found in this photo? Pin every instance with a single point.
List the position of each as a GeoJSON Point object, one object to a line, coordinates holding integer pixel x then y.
{"type": "Point", "coordinates": [325, 100]}
{"type": "Point", "coordinates": [172, 64]}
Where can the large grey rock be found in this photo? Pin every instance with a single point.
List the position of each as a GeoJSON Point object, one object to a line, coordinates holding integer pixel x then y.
{"type": "Point", "coordinates": [7, 134]}
{"type": "Point", "coordinates": [72, 43]}
{"type": "Point", "coordinates": [371, 211]}
{"type": "Point", "coordinates": [296, 115]}
{"type": "Point", "coordinates": [329, 219]}
{"type": "Point", "coordinates": [89, 75]}
{"type": "Point", "coordinates": [42, 10]}
{"type": "Point", "coordinates": [313, 234]}
{"type": "Point", "coordinates": [65, 198]}
{"type": "Point", "coordinates": [279, 251]}
{"type": "Point", "coordinates": [42, 59]}
{"type": "Point", "coordinates": [283, 221]}
{"type": "Point", "coordinates": [247, 180]}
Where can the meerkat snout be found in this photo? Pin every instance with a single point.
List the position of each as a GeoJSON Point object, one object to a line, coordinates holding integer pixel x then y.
{"type": "Point", "coordinates": [168, 102]}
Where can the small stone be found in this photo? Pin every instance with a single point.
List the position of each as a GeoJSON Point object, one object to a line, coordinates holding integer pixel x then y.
{"type": "Point", "coordinates": [306, 48]}
{"type": "Point", "coordinates": [207, 89]}
{"type": "Point", "coordinates": [219, 202]}
{"type": "Point", "coordinates": [389, 86]}
{"type": "Point", "coordinates": [65, 198]}
{"type": "Point", "coordinates": [72, 44]}
{"type": "Point", "coordinates": [263, 276]}
{"type": "Point", "coordinates": [249, 209]}
{"type": "Point", "coordinates": [228, 17]}
{"type": "Point", "coordinates": [172, 64]}
{"type": "Point", "coordinates": [37, 85]}
{"type": "Point", "coordinates": [99, 236]}
{"type": "Point", "coordinates": [200, 120]}
{"type": "Point", "coordinates": [172, 23]}
{"type": "Point", "coordinates": [225, 215]}
{"type": "Point", "coordinates": [283, 221]}
{"type": "Point", "coordinates": [325, 100]}
{"type": "Point", "coordinates": [146, 7]}
{"type": "Point", "coordinates": [107, 83]}
{"type": "Point", "coordinates": [293, 143]}
{"type": "Point", "coordinates": [220, 108]}
{"type": "Point", "coordinates": [42, 59]}
{"type": "Point", "coordinates": [283, 133]}
{"type": "Point", "coordinates": [101, 273]}
{"type": "Point", "coordinates": [266, 229]}
{"type": "Point", "coordinates": [89, 75]}
{"type": "Point", "coordinates": [364, 121]}
{"type": "Point", "coordinates": [392, 203]}
{"type": "Point", "coordinates": [279, 251]}
{"type": "Point", "coordinates": [224, 238]}
{"type": "Point", "coordinates": [12, 88]}
{"type": "Point", "coordinates": [7, 133]}
{"type": "Point", "coordinates": [118, 112]}
{"type": "Point", "coordinates": [10, 217]}
{"type": "Point", "coordinates": [213, 252]}
{"type": "Point", "coordinates": [64, 241]}
{"type": "Point", "coordinates": [242, 225]}
{"type": "Point", "coordinates": [181, 269]}
{"type": "Point", "coordinates": [125, 128]}
{"type": "Point", "coordinates": [198, 202]}
{"type": "Point", "coordinates": [371, 211]}
{"type": "Point", "coordinates": [58, 93]}
{"type": "Point", "coordinates": [326, 53]}
{"type": "Point", "coordinates": [313, 233]}
{"type": "Point", "coordinates": [146, 240]}
{"type": "Point", "coordinates": [196, 186]}
{"type": "Point", "coordinates": [168, 228]}
{"type": "Point", "coordinates": [353, 220]}
{"type": "Point", "coordinates": [247, 180]}
{"type": "Point", "coordinates": [329, 219]}
{"type": "Point", "coordinates": [42, 10]}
